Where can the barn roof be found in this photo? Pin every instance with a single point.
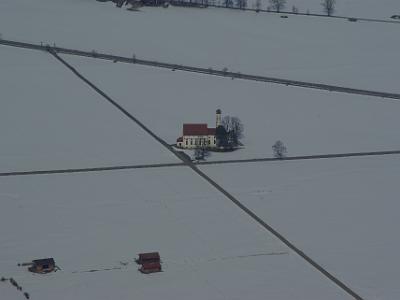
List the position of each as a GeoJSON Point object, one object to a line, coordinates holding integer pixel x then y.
{"type": "Point", "coordinates": [149, 255]}
{"type": "Point", "coordinates": [44, 261]}
{"type": "Point", "coordinates": [197, 129]}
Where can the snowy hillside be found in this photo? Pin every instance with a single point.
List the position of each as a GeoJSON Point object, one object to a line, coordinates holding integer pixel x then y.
{"type": "Point", "coordinates": [336, 219]}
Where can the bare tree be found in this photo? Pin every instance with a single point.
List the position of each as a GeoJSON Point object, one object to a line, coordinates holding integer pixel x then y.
{"type": "Point", "coordinates": [201, 153]}
{"type": "Point", "coordinates": [258, 5]}
{"type": "Point", "coordinates": [241, 4]}
{"type": "Point", "coordinates": [227, 3]}
{"type": "Point", "coordinates": [234, 128]}
{"type": "Point", "coordinates": [279, 149]}
{"type": "Point", "coordinates": [329, 6]}
{"type": "Point", "coordinates": [277, 5]}
{"type": "Point", "coordinates": [119, 3]}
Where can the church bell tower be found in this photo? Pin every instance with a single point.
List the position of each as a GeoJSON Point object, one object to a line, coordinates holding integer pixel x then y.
{"type": "Point", "coordinates": [218, 118]}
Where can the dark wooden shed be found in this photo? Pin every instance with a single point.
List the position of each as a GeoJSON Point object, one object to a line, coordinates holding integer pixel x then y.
{"type": "Point", "coordinates": [150, 257]}
{"type": "Point", "coordinates": [44, 265]}
{"type": "Point", "coordinates": [152, 267]}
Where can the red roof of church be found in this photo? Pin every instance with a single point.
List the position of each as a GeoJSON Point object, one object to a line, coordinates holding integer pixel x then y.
{"type": "Point", "coordinates": [197, 129]}
{"type": "Point", "coordinates": [211, 131]}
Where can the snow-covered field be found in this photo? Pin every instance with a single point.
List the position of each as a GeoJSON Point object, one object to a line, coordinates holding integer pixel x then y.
{"type": "Point", "coordinates": [343, 212]}
{"type": "Point", "coordinates": [362, 54]}
{"type": "Point", "coordinates": [210, 249]}
{"type": "Point", "coordinates": [307, 121]}
{"type": "Point", "coordinates": [50, 119]}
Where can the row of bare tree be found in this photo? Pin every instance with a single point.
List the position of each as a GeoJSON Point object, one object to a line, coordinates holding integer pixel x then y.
{"type": "Point", "coordinates": [279, 5]}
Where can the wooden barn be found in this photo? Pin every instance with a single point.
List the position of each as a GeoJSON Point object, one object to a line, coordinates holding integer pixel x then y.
{"type": "Point", "coordinates": [43, 266]}
{"type": "Point", "coordinates": [152, 267]}
{"type": "Point", "coordinates": [150, 257]}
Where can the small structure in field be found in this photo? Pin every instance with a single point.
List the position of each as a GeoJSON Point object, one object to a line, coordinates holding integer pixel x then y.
{"type": "Point", "coordinates": [43, 266]}
{"type": "Point", "coordinates": [151, 267]}
{"type": "Point", "coordinates": [151, 262]}
{"type": "Point", "coordinates": [150, 257]}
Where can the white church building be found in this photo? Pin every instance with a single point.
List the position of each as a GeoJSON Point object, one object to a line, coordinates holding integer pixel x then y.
{"type": "Point", "coordinates": [199, 135]}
